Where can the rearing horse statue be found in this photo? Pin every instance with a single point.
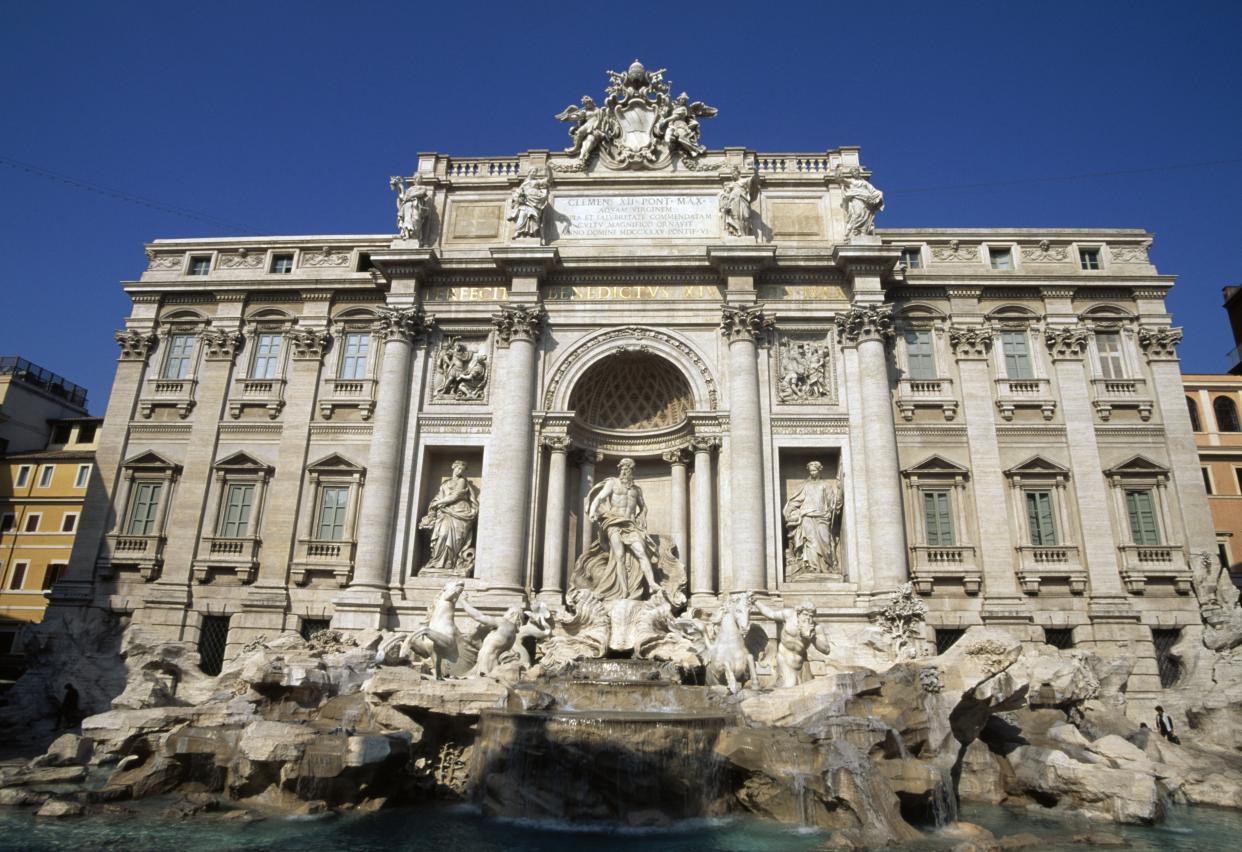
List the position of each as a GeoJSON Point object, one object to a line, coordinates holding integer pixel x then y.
{"type": "Point", "coordinates": [725, 658]}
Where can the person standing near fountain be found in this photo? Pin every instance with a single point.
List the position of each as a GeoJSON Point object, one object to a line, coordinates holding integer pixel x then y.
{"type": "Point", "coordinates": [620, 512]}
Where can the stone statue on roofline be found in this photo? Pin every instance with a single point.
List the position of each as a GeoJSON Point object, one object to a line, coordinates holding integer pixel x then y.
{"type": "Point", "coordinates": [413, 207]}
{"type": "Point", "coordinates": [527, 204]}
{"type": "Point", "coordinates": [862, 202]}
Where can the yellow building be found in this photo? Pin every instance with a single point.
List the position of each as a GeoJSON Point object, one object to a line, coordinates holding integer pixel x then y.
{"type": "Point", "coordinates": [41, 497]}
{"type": "Point", "coordinates": [1215, 405]}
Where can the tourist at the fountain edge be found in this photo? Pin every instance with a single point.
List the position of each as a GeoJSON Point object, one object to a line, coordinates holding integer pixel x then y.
{"type": "Point", "coordinates": [1164, 724]}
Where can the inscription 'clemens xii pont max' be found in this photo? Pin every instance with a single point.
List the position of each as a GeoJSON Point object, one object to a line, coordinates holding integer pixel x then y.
{"type": "Point", "coordinates": [620, 216]}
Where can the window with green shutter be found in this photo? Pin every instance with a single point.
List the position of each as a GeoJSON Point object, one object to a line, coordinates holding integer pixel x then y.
{"type": "Point", "coordinates": [937, 518]}
{"type": "Point", "coordinates": [1017, 356]}
{"type": "Point", "coordinates": [235, 520]}
{"type": "Point", "coordinates": [332, 502]}
{"type": "Point", "coordinates": [1142, 511]}
{"type": "Point", "coordinates": [1039, 518]}
{"type": "Point", "coordinates": [919, 356]}
{"type": "Point", "coordinates": [143, 506]}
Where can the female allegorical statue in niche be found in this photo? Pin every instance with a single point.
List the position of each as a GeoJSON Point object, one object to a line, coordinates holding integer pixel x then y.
{"type": "Point", "coordinates": [810, 515]}
{"type": "Point", "coordinates": [450, 517]}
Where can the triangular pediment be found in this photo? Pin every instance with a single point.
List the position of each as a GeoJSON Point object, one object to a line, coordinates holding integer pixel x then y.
{"type": "Point", "coordinates": [1138, 465]}
{"type": "Point", "coordinates": [150, 460]}
{"type": "Point", "coordinates": [938, 466]}
{"type": "Point", "coordinates": [1037, 466]}
{"type": "Point", "coordinates": [335, 462]}
{"type": "Point", "coordinates": [242, 461]}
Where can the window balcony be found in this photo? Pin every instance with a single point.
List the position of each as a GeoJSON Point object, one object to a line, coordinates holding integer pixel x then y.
{"type": "Point", "coordinates": [926, 393]}
{"type": "Point", "coordinates": [1121, 393]}
{"type": "Point", "coordinates": [1145, 563]}
{"type": "Point", "coordinates": [323, 556]}
{"type": "Point", "coordinates": [1039, 564]}
{"type": "Point", "coordinates": [931, 564]}
{"type": "Point", "coordinates": [1012, 394]}
{"type": "Point", "coordinates": [347, 393]}
{"type": "Point", "coordinates": [257, 393]}
{"type": "Point", "coordinates": [168, 393]}
{"type": "Point", "coordinates": [239, 556]}
{"type": "Point", "coordinates": [144, 551]}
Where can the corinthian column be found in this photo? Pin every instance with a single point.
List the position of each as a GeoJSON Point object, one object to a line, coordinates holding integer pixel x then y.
{"type": "Point", "coordinates": [586, 459]}
{"type": "Point", "coordinates": [398, 329]}
{"type": "Point", "coordinates": [554, 519]}
{"type": "Point", "coordinates": [505, 500]}
{"type": "Point", "coordinates": [703, 536]}
{"type": "Point", "coordinates": [680, 501]}
{"type": "Point", "coordinates": [869, 328]}
{"type": "Point", "coordinates": [742, 327]}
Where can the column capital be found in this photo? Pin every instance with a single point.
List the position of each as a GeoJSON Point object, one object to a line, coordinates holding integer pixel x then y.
{"type": "Point", "coordinates": [135, 345]}
{"type": "Point", "coordinates": [744, 323]}
{"type": "Point", "coordinates": [675, 456]}
{"type": "Point", "coordinates": [519, 322]}
{"type": "Point", "coordinates": [704, 443]}
{"type": "Point", "coordinates": [405, 324]}
{"type": "Point", "coordinates": [220, 344]}
{"type": "Point", "coordinates": [308, 344]}
{"type": "Point", "coordinates": [970, 342]}
{"type": "Point", "coordinates": [865, 322]}
{"type": "Point", "coordinates": [1159, 343]}
{"type": "Point", "coordinates": [1066, 342]}
{"type": "Point", "coordinates": [558, 443]}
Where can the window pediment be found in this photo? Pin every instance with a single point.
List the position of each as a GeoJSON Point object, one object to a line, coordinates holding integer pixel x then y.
{"type": "Point", "coordinates": [151, 462]}
{"type": "Point", "coordinates": [1038, 467]}
{"type": "Point", "coordinates": [936, 466]}
{"type": "Point", "coordinates": [242, 462]}
{"type": "Point", "coordinates": [1138, 466]}
{"type": "Point", "coordinates": [335, 463]}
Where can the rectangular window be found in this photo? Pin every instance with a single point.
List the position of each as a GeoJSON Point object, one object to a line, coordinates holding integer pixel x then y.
{"type": "Point", "coordinates": [1237, 472]}
{"type": "Point", "coordinates": [911, 258]}
{"type": "Point", "coordinates": [7, 640]}
{"type": "Point", "coordinates": [1017, 356]}
{"type": "Point", "coordinates": [32, 522]}
{"type": "Point", "coordinates": [45, 475]}
{"type": "Point", "coordinates": [143, 506]}
{"type": "Point", "coordinates": [946, 637]}
{"type": "Point", "coordinates": [69, 522]}
{"type": "Point", "coordinates": [1207, 480]}
{"type": "Point", "coordinates": [7, 522]}
{"type": "Point", "coordinates": [1059, 637]}
{"type": "Point", "coordinates": [52, 575]}
{"type": "Point", "coordinates": [235, 520]}
{"type": "Point", "coordinates": [213, 638]}
{"type": "Point", "coordinates": [311, 626]}
{"type": "Point", "coordinates": [1108, 344]}
{"type": "Point", "coordinates": [23, 476]}
{"type": "Point", "coordinates": [1000, 258]}
{"type": "Point", "coordinates": [1089, 258]}
{"type": "Point", "coordinates": [180, 348]}
{"type": "Point", "coordinates": [1166, 663]}
{"type": "Point", "coordinates": [919, 355]}
{"type": "Point", "coordinates": [266, 357]}
{"type": "Point", "coordinates": [938, 518]}
{"type": "Point", "coordinates": [282, 264]}
{"type": "Point", "coordinates": [1142, 511]}
{"type": "Point", "coordinates": [86, 433]}
{"type": "Point", "coordinates": [83, 477]}
{"type": "Point", "coordinates": [1039, 518]}
{"type": "Point", "coordinates": [200, 264]}
{"type": "Point", "coordinates": [1222, 553]}
{"type": "Point", "coordinates": [332, 502]}
{"type": "Point", "coordinates": [18, 580]}
{"type": "Point", "coordinates": [354, 361]}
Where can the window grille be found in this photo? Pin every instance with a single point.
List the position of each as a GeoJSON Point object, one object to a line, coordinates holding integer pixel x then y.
{"type": "Point", "coordinates": [212, 639]}
{"type": "Point", "coordinates": [945, 638]}
{"type": "Point", "coordinates": [1059, 637]}
{"type": "Point", "coordinates": [311, 626]}
{"type": "Point", "coordinates": [1170, 669]}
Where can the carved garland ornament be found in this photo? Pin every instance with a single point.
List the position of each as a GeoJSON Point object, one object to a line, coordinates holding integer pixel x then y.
{"type": "Point", "coordinates": [135, 345]}
{"type": "Point", "coordinates": [1158, 342]}
{"type": "Point", "coordinates": [970, 341]}
{"type": "Point", "coordinates": [242, 260]}
{"type": "Point", "coordinates": [1045, 253]}
{"type": "Point", "coordinates": [407, 324]}
{"type": "Point", "coordinates": [955, 252]}
{"type": "Point", "coordinates": [741, 324]}
{"type": "Point", "coordinates": [632, 332]}
{"type": "Point", "coordinates": [863, 323]}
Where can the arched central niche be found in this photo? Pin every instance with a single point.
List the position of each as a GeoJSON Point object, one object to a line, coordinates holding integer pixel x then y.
{"type": "Point", "coordinates": [632, 392]}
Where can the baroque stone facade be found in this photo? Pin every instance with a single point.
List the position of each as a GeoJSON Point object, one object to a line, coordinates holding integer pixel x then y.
{"type": "Point", "coordinates": [998, 411]}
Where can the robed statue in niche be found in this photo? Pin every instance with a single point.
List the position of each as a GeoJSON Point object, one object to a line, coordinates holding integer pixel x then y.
{"type": "Point", "coordinates": [811, 520]}
{"type": "Point", "coordinates": [450, 517]}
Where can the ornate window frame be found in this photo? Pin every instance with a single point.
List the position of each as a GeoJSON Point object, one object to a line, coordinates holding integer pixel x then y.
{"type": "Point", "coordinates": [251, 391]}
{"type": "Point", "coordinates": [1040, 563]}
{"type": "Point", "coordinates": [1125, 392]}
{"type": "Point", "coordinates": [329, 556]}
{"type": "Point", "coordinates": [1144, 563]}
{"type": "Point", "coordinates": [1015, 393]}
{"type": "Point", "coordinates": [929, 563]}
{"type": "Point", "coordinates": [236, 554]}
{"type": "Point", "coordinates": [146, 550]}
{"type": "Point", "coordinates": [177, 393]}
{"type": "Point", "coordinates": [932, 393]}
{"type": "Point", "coordinates": [337, 391]}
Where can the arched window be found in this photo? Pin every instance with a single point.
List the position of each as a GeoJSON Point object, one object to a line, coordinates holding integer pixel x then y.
{"type": "Point", "coordinates": [1226, 414]}
{"type": "Point", "coordinates": [1195, 424]}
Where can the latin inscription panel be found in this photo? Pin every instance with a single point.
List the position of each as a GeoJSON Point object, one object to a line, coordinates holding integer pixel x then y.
{"type": "Point", "coordinates": [636, 216]}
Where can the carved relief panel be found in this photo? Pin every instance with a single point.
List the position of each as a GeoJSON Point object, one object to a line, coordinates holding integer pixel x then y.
{"type": "Point", "coordinates": [803, 366]}
{"type": "Point", "coordinates": [461, 369]}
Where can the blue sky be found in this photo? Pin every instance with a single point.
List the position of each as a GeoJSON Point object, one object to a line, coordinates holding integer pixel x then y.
{"type": "Point", "coordinates": [288, 118]}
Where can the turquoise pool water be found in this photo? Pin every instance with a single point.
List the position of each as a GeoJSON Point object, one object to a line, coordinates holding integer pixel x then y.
{"type": "Point", "coordinates": [462, 830]}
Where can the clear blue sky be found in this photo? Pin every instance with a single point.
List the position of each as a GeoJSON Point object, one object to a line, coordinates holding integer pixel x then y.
{"type": "Point", "coordinates": [288, 118]}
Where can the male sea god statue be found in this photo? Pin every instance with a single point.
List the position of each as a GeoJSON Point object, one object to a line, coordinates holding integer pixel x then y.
{"type": "Point", "coordinates": [620, 559]}
{"type": "Point", "coordinates": [811, 515]}
{"type": "Point", "coordinates": [450, 517]}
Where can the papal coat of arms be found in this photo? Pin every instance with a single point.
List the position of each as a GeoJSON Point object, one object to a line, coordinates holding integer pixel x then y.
{"type": "Point", "coordinates": [638, 126]}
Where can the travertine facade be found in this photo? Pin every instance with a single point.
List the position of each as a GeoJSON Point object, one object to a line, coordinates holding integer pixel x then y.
{"type": "Point", "coordinates": [1002, 408]}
